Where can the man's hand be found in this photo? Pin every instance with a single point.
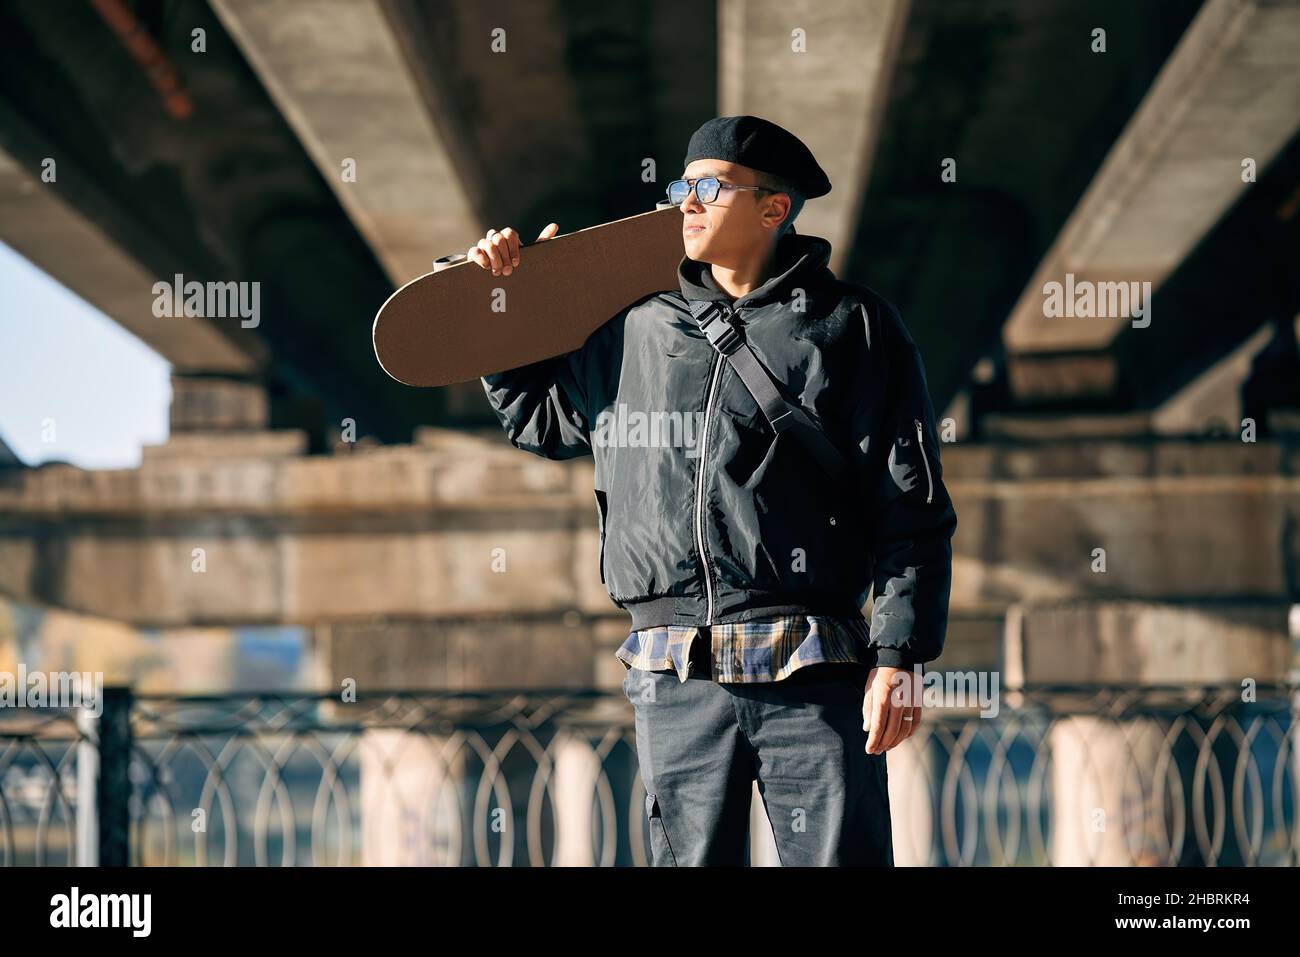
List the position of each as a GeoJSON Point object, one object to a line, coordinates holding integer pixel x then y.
{"type": "Point", "coordinates": [892, 695]}
{"type": "Point", "coordinates": [499, 251]}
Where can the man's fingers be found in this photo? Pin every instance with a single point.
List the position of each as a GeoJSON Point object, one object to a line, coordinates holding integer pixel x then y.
{"type": "Point", "coordinates": [499, 251]}
{"type": "Point", "coordinates": [903, 699]}
{"type": "Point", "coordinates": [488, 259]}
{"type": "Point", "coordinates": [909, 696]}
{"type": "Point", "coordinates": [878, 722]}
{"type": "Point", "coordinates": [901, 694]}
{"type": "Point", "coordinates": [501, 243]}
{"type": "Point", "coordinates": [884, 711]}
{"type": "Point", "coordinates": [900, 698]}
{"type": "Point", "coordinates": [893, 729]}
{"type": "Point", "coordinates": [512, 239]}
{"type": "Point", "coordinates": [494, 258]}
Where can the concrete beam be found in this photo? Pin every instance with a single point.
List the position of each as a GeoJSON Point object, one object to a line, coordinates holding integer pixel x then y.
{"type": "Point", "coordinates": [1212, 401]}
{"type": "Point", "coordinates": [1177, 520]}
{"type": "Point", "coordinates": [832, 96]}
{"type": "Point", "coordinates": [412, 531]}
{"type": "Point", "coordinates": [217, 403]}
{"type": "Point", "coordinates": [338, 75]}
{"type": "Point", "coordinates": [1209, 405]}
{"type": "Point", "coordinates": [55, 237]}
{"type": "Point", "coordinates": [1230, 91]}
{"type": "Point", "coordinates": [375, 651]}
{"type": "Point", "coordinates": [400, 531]}
{"type": "Point", "coordinates": [1141, 643]}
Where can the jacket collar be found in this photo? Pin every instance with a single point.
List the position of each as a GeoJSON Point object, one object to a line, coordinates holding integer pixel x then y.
{"type": "Point", "coordinates": [801, 262]}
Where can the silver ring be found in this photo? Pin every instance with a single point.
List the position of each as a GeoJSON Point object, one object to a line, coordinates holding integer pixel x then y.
{"type": "Point", "coordinates": [907, 717]}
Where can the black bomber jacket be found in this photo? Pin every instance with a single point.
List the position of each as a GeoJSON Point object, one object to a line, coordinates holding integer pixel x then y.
{"type": "Point", "coordinates": [706, 514]}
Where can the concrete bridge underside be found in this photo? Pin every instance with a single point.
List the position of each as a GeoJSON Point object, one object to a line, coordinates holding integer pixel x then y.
{"type": "Point", "coordinates": [1067, 159]}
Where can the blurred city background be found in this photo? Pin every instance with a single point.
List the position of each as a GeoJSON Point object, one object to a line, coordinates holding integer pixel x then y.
{"type": "Point", "coordinates": [241, 524]}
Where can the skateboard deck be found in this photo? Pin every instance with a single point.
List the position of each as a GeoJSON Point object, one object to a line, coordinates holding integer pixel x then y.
{"type": "Point", "coordinates": [460, 322]}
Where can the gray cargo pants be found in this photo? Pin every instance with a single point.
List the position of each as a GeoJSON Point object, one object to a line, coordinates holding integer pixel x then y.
{"type": "Point", "coordinates": [701, 744]}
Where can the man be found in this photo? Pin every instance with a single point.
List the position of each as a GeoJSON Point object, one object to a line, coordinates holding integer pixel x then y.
{"type": "Point", "coordinates": [743, 556]}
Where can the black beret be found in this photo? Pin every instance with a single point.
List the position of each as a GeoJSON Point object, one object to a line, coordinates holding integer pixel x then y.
{"type": "Point", "coordinates": [762, 145]}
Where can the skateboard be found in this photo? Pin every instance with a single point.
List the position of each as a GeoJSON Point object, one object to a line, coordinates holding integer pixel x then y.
{"type": "Point", "coordinates": [460, 322]}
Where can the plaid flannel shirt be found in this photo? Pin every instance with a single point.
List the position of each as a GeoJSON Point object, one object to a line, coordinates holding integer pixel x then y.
{"type": "Point", "coordinates": [751, 651]}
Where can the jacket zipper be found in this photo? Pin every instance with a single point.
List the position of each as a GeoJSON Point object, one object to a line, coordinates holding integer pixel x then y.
{"type": "Point", "coordinates": [716, 372]}
{"type": "Point", "coordinates": [929, 481]}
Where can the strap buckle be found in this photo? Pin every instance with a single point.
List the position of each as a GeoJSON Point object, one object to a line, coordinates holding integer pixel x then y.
{"type": "Point", "coordinates": [783, 420]}
{"type": "Point", "coordinates": [721, 333]}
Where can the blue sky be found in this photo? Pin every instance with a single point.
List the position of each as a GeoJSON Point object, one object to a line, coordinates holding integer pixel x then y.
{"type": "Point", "coordinates": [61, 359]}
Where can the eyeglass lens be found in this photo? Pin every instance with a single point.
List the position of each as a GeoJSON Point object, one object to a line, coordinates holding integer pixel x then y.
{"type": "Point", "coordinates": [706, 190]}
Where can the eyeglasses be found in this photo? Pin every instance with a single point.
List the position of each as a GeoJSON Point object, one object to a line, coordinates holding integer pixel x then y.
{"type": "Point", "coordinates": [706, 189]}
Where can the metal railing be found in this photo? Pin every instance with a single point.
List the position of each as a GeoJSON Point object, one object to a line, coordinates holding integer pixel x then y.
{"type": "Point", "coordinates": [1175, 776]}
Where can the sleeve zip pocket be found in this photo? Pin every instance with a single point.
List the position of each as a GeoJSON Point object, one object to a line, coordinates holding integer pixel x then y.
{"type": "Point", "coordinates": [602, 513]}
{"type": "Point", "coordinates": [929, 479]}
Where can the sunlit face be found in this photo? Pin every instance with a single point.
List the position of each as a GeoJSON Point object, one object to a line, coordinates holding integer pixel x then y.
{"type": "Point", "coordinates": [740, 224]}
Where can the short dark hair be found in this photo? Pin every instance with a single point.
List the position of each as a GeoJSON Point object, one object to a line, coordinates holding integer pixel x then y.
{"type": "Point", "coordinates": [779, 185]}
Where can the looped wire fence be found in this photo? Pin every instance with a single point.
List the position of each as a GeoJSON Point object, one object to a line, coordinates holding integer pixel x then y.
{"type": "Point", "coordinates": [1061, 775]}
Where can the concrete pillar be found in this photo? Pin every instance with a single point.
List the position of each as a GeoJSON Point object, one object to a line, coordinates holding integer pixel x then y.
{"type": "Point", "coordinates": [1151, 784]}
{"type": "Point", "coordinates": [913, 771]}
{"type": "Point", "coordinates": [1106, 800]}
{"type": "Point", "coordinates": [210, 403]}
{"type": "Point", "coordinates": [579, 792]}
{"type": "Point", "coordinates": [762, 840]}
{"type": "Point", "coordinates": [411, 805]}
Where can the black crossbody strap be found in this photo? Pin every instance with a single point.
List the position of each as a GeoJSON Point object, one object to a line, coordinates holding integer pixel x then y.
{"type": "Point", "coordinates": [782, 414]}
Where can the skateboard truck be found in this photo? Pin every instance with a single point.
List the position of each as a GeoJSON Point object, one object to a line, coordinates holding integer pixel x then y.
{"type": "Point", "coordinates": [442, 262]}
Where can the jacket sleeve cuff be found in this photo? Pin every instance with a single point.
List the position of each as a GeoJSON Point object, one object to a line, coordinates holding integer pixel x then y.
{"type": "Point", "coordinates": [897, 658]}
